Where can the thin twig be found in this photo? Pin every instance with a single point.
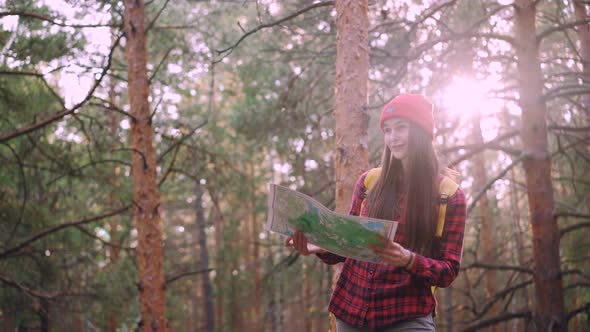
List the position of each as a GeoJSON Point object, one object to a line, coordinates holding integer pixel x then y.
{"type": "Point", "coordinates": [227, 51]}
{"type": "Point", "coordinates": [186, 274]}
{"type": "Point", "coordinates": [492, 181]}
{"type": "Point", "coordinates": [59, 227]}
{"type": "Point", "coordinates": [27, 290]}
{"type": "Point", "coordinates": [56, 116]}
{"type": "Point", "coordinates": [157, 16]}
{"type": "Point", "coordinates": [53, 20]}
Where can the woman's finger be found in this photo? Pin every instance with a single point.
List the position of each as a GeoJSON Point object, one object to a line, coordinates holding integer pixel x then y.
{"type": "Point", "coordinates": [289, 241]}
{"type": "Point", "coordinates": [301, 243]}
{"type": "Point", "coordinates": [392, 253]}
{"type": "Point", "coordinates": [297, 240]}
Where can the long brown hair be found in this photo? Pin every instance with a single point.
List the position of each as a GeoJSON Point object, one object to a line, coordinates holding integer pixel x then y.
{"type": "Point", "coordinates": [420, 180]}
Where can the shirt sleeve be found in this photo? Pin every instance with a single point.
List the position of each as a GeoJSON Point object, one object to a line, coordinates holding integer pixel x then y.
{"type": "Point", "coordinates": [442, 270]}
{"type": "Point", "coordinates": [358, 196]}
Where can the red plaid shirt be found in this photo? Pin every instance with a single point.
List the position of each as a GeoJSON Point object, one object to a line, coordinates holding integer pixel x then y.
{"type": "Point", "coordinates": [378, 295]}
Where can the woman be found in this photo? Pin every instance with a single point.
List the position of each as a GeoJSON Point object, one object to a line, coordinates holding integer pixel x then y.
{"type": "Point", "coordinates": [397, 295]}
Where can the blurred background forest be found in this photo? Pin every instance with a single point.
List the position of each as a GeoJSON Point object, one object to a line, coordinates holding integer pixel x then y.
{"type": "Point", "coordinates": [242, 93]}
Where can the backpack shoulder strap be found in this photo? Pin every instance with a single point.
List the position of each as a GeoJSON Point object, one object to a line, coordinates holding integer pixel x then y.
{"type": "Point", "coordinates": [446, 189]}
{"type": "Point", "coordinates": [371, 178]}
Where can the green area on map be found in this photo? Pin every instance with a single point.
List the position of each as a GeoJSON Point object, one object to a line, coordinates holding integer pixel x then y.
{"type": "Point", "coordinates": [345, 235]}
{"type": "Point", "coordinates": [336, 232]}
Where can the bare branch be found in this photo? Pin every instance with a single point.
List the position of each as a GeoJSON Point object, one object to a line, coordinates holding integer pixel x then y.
{"type": "Point", "coordinates": [56, 116]}
{"type": "Point", "coordinates": [527, 314]}
{"type": "Point", "coordinates": [182, 139]}
{"type": "Point", "coordinates": [157, 69]}
{"type": "Point", "coordinates": [585, 308]}
{"type": "Point", "coordinates": [171, 167]}
{"type": "Point", "coordinates": [27, 290]}
{"type": "Point", "coordinates": [91, 163]}
{"type": "Point", "coordinates": [574, 129]}
{"type": "Point", "coordinates": [149, 27]}
{"type": "Point", "coordinates": [230, 49]}
{"type": "Point", "coordinates": [59, 227]}
{"type": "Point", "coordinates": [25, 190]}
{"type": "Point", "coordinates": [491, 143]}
{"type": "Point", "coordinates": [145, 165]}
{"type": "Point", "coordinates": [112, 107]}
{"type": "Point", "coordinates": [38, 75]}
{"type": "Point", "coordinates": [467, 33]}
{"type": "Point", "coordinates": [573, 227]}
{"type": "Point", "coordinates": [544, 34]}
{"type": "Point", "coordinates": [477, 265]}
{"type": "Point", "coordinates": [106, 243]}
{"type": "Point", "coordinates": [571, 215]}
{"type": "Point", "coordinates": [54, 21]}
{"type": "Point", "coordinates": [492, 181]}
{"type": "Point", "coordinates": [186, 274]}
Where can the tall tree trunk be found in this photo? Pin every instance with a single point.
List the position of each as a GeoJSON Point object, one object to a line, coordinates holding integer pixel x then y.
{"type": "Point", "coordinates": [549, 303]}
{"type": "Point", "coordinates": [321, 301]}
{"type": "Point", "coordinates": [306, 300]}
{"type": "Point", "coordinates": [580, 9]}
{"type": "Point", "coordinates": [583, 32]}
{"type": "Point", "coordinates": [207, 290]}
{"type": "Point", "coordinates": [350, 105]}
{"type": "Point", "coordinates": [256, 304]}
{"type": "Point", "coordinates": [217, 213]}
{"type": "Point", "coordinates": [519, 239]}
{"type": "Point", "coordinates": [209, 310]}
{"type": "Point", "coordinates": [519, 302]}
{"type": "Point", "coordinates": [114, 251]}
{"type": "Point", "coordinates": [272, 304]}
{"type": "Point", "coordinates": [8, 319]}
{"type": "Point", "coordinates": [237, 319]}
{"type": "Point", "coordinates": [43, 313]}
{"type": "Point", "coordinates": [449, 311]}
{"type": "Point", "coordinates": [218, 221]}
{"type": "Point", "coordinates": [487, 223]}
{"type": "Point", "coordinates": [146, 196]}
{"type": "Point", "coordinates": [270, 289]}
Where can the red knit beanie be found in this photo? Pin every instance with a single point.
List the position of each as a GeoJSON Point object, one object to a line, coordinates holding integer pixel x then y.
{"type": "Point", "coordinates": [412, 107]}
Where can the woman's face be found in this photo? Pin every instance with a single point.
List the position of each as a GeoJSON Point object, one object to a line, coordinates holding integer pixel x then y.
{"type": "Point", "coordinates": [395, 135]}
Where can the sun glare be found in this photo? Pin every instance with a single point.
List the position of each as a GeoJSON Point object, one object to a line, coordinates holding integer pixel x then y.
{"type": "Point", "coordinates": [466, 96]}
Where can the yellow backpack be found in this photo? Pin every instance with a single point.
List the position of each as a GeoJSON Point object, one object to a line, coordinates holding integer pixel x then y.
{"type": "Point", "coordinates": [446, 189]}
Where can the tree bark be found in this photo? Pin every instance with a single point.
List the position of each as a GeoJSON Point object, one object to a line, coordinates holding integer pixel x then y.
{"type": "Point", "coordinates": [583, 32]}
{"type": "Point", "coordinates": [237, 322]}
{"type": "Point", "coordinates": [350, 106]}
{"type": "Point", "coordinates": [43, 312]}
{"type": "Point", "coordinates": [520, 248]}
{"type": "Point", "coordinates": [487, 223]}
{"type": "Point", "coordinates": [207, 290]}
{"type": "Point", "coordinates": [113, 320]}
{"type": "Point", "coordinates": [253, 244]}
{"type": "Point", "coordinates": [549, 303]}
{"type": "Point", "coordinates": [146, 196]}
{"type": "Point", "coordinates": [306, 300]}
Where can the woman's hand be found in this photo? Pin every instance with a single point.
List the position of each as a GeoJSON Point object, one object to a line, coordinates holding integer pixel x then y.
{"type": "Point", "coordinates": [393, 253]}
{"type": "Point", "coordinates": [299, 242]}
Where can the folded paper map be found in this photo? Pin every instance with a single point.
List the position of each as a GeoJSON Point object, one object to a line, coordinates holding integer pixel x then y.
{"type": "Point", "coordinates": [341, 234]}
